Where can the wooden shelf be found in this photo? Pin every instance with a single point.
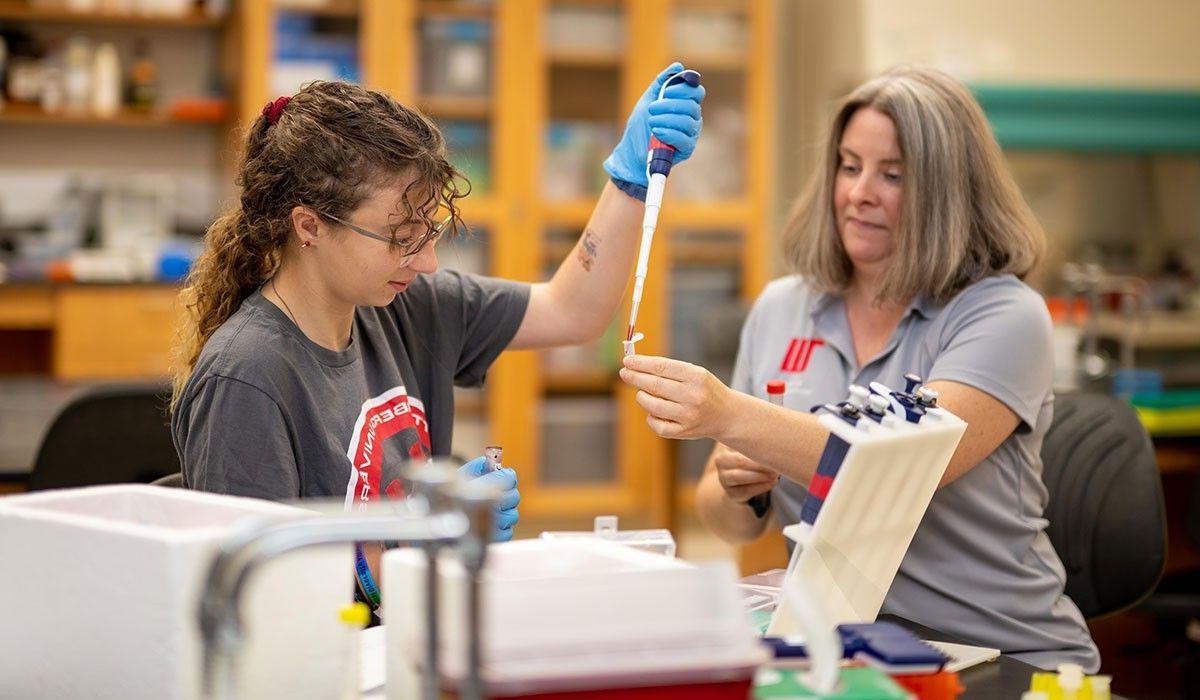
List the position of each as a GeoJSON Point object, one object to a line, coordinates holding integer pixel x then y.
{"type": "Point", "coordinates": [715, 61]}
{"type": "Point", "coordinates": [583, 57]}
{"type": "Point", "coordinates": [454, 107]}
{"type": "Point", "coordinates": [579, 381]}
{"type": "Point", "coordinates": [731, 6]}
{"type": "Point", "coordinates": [479, 209]}
{"type": "Point", "coordinates": [16, 113]}
{"type": "Point", "coordinates": [1157, 330]}
{"type": "Point", "coordinates": [601, 4]}
{"type": "Point", "coordinates": [26, 307]}
{"type": "Point", "coordinates": [336, 9]}
{"type": "Point", "coordinates": [732, 214]}
{"type": "Point", "coordinates": [569, 213]}
{"type": "Point", "coordinates": [22, 11]}
{"type": "Point", "coordinates": [687, 251]}
{"type": "Point", "coordinates": [455, 8]}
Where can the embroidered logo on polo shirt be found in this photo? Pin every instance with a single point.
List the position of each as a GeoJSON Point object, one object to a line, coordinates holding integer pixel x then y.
{"type": "Point", "coordinates": [799, 352]}
{"type": "Point", "coordinates": [388, 414]}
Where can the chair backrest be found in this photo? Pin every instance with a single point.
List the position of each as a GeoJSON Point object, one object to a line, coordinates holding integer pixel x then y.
{"type": "Point", "coordinates": [1106, 514]}
{"type": "Point", "coordinates": [174, 481]}
{"type": "Point", "coordinates": [109, 434]}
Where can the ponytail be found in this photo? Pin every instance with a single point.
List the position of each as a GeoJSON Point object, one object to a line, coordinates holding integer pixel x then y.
{"type": "Point", "coordinates": [235, 262]}
{"type": "Point", "coordinates": [328, 146]}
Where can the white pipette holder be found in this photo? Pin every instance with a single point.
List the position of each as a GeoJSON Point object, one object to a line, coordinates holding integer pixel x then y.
{"type": "Point", "coordinates": [848, 557]}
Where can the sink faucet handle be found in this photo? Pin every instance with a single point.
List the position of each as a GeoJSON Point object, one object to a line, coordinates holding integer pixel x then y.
{"type": "Point", "coordinates": [432, 483]}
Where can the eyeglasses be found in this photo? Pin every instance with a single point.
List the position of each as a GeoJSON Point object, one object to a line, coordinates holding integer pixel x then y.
{"type": "Point", "coordinates": [408, 249]}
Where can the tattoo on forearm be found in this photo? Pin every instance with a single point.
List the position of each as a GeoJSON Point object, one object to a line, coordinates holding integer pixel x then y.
{"type": "Point", "coordinates": [587, 249]}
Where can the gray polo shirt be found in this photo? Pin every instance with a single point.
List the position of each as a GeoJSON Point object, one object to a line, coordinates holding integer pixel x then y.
{"type": "Point", "coordinates": [980, 566]}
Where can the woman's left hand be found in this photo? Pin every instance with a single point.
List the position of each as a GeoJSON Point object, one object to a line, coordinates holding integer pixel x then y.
{"type": "Point", "coordinates": [685, 401]}
{"type": "Point", "coordinates": [505, 480]}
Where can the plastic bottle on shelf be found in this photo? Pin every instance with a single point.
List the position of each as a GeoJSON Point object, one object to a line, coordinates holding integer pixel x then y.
{"type": "Point", "coordinates": [77, 74]}
{"type": "Point", "coordinates": [46, 83]}
{"type": "Point", "coordinates": [106, 81]}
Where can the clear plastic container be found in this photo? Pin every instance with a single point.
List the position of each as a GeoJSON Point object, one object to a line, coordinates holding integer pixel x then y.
{"type": "Point", "coordinates": [655, 541]}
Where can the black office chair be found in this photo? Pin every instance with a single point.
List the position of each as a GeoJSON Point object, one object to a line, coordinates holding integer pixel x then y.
{"type": "Point", "coordinates": [1106, 515]}
{"type": "Point", "coordinates": [110, 434]}
{"type": "Point", "coordinates": [174, 481]}
{"type": "Point", "coordinates": [1175, 605]}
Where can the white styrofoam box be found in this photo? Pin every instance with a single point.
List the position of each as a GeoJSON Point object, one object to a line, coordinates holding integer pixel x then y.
{"type": "Point", "coordinates": [573, 614]}
{"type": "Point", "coordinates": [100, 588]}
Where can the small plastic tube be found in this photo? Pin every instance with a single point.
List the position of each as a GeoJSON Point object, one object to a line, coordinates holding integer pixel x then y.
{"type": "Point", "coordinates": [1070, 680]}
{"type": "Point", "coordinates": [354, 617]}
{"type": "Point", "coordinates": [776, 388]}
{"type": "Point", "coordinates": [627, 345]}
{"type": "Point", "coordinates": [1101, 687]}
{"type": "Point", "coordinates": [605, 525]}
{"type": "Point", "coordinates": [493, 455]}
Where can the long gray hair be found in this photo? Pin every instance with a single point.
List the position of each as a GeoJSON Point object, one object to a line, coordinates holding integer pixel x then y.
{"type": "Point", "coordinates": [962, 217]}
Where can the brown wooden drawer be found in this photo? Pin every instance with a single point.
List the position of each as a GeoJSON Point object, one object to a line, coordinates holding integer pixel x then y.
{"type": "Point", "coordinates": [114, 332]}
{"type": "Point", "coordinates": [26, 308]}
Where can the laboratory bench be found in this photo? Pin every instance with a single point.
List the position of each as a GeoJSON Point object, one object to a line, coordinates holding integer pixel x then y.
{"type": "Point", "coordinates": [1003, 679]}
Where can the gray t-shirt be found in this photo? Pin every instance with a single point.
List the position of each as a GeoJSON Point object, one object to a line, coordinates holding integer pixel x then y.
{"type": "Point", "coordinates": [269, 413]}
{"type": "Point", "coordinates": [980, 566]}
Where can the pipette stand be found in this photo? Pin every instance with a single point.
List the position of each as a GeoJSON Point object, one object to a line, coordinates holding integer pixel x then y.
{"type": "Point", "coordinates": [851, 552]}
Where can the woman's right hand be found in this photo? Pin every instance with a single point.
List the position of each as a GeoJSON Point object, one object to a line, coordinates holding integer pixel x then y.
{"type": "Point", "coordinates": [741, 477]}
{"type": "Point", "coordinates": [505, 480]}
{"type": "Point", "coordinates": [675, 120]}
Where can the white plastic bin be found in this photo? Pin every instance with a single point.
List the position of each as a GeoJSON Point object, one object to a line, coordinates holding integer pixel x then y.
{"type": "Point", "coordinates": [100, 587]}
{"type": "Point", "coordinates": [573, 615]}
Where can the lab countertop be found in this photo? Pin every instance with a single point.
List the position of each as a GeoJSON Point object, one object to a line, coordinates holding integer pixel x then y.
{"type": "Point", "coordinates": [1159, 329]}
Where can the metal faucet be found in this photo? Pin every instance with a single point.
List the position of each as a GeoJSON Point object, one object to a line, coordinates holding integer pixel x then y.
{"type": "Point", "coordinates": [1089, 282]}
{"type": "Point", "coordinates": [429, 485]}
{"type": "Point", "coordinates": [446, 513]}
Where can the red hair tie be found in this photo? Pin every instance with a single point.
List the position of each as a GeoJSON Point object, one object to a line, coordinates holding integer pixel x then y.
{"type": "Point", "coordinates": [274, 109]}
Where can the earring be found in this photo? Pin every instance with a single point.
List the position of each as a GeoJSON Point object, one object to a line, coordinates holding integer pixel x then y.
{"type": "Point", "coordinates": [306, 244]}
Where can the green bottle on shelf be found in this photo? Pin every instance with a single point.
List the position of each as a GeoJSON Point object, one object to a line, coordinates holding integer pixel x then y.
{"type": "Point", "coordinates": [143, 79]}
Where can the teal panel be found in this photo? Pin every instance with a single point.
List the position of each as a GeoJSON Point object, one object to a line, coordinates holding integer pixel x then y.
{"type": "Point", "coordinates": [1092, 119]}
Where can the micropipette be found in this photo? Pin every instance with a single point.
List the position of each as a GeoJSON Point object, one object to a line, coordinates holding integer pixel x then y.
{"type": "Point", "coordinates": [658, 165]}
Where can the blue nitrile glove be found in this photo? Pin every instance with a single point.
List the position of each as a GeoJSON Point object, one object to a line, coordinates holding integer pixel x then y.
{"type": "Point", "coordinates": [675, 120]}
{"type": "Point", "coordinates": [505, 480]}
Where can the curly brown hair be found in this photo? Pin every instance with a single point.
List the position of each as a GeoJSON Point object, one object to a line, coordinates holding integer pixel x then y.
{"type": "Point", "coordinates": [332, 146]}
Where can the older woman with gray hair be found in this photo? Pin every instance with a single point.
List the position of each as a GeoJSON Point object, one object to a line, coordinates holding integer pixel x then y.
{"type": "Point", "coordinates": [909, 246]}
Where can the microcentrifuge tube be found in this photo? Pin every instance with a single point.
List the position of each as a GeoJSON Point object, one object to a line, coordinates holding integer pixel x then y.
{"type": "Point", "coordinates": [627, 345]}
{"type": "Point", "coordinates": [494, 456]}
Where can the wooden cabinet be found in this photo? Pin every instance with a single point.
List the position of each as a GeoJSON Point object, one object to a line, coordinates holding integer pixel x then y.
{"type": "Point", "coordinates": [93, 332]}
{"type": "Point", "coordinates": [115, 333]}
{"type": "Point", "coordinates": [551, 70]}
